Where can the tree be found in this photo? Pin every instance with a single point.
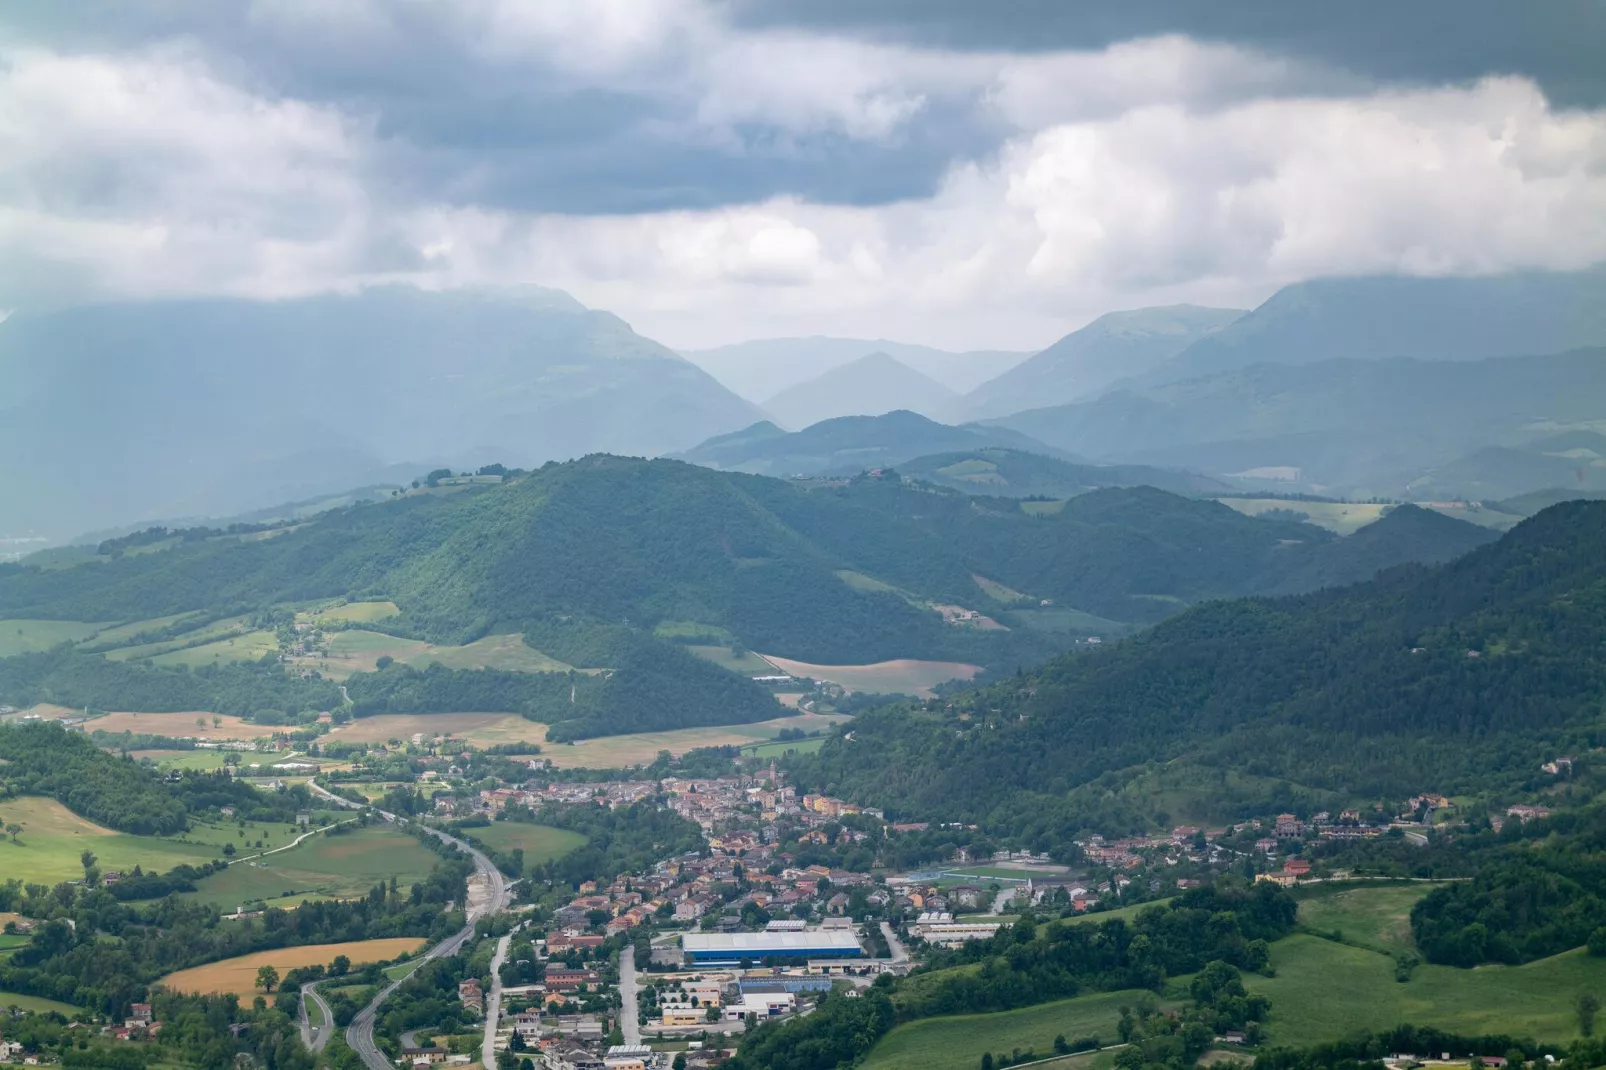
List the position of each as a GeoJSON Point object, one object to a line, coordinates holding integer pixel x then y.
{"type": "Point", "coordinates": [13, 830]}
{"type": "Point", "coordinates": [1587, 1005]}
{"type": "Point", "coordinates": [228, 850]}
{"type": "Point", "coordinates": [87, 860]}
{"type": "Point", "coordinates": [340, 966]}
{"type": "Point", "coordinates": [1597, 942]}
{"type": "Point", "coordinates": [267, 978]}
{"type": "Point", "coordinates": [679, 1063]}
{"type": "Point", "coordinates": [986, 1060]}
{"type": "Point", "coordinates": [217, 722]}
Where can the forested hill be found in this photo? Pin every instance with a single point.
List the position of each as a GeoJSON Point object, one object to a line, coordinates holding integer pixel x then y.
{"type": "Point", "coordinates": [1420, 680]}
{"type": "Point", "coordinates": [834, 571]}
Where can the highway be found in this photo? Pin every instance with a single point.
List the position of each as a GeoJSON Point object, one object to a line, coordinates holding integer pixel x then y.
{"type": "Point", "coordinates": [488, 898]}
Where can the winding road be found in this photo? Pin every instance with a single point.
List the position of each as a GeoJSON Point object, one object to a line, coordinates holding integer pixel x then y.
{"type": "Point", "coordinates": [492, 897]}
{"type": "Point", "coordinates": [315, 1037]}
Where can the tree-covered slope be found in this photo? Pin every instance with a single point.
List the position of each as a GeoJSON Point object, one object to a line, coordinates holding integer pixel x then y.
{"type": "Point", "coordinates": [995, 470]}
{"type": "Point", "coordinates": [603, 561]}
{"type": "Point", "coordinates": [1422, 679]}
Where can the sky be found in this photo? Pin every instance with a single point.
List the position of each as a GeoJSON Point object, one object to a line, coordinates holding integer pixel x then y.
{"type": "Point", "coordinates": [960, 174]}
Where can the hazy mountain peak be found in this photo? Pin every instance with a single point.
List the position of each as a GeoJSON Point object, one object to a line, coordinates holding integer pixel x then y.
{"type": "Point", "coordinates": [1116, 346]}
{"type": "Point", "coordinates": [871, 385]}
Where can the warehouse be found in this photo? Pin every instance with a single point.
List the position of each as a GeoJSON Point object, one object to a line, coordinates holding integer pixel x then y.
{"type": "Point", "coordinates": [757, 948]}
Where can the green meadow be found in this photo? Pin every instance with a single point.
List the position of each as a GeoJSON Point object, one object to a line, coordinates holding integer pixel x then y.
{"type": "Point", "coordinates": [326, 866]}
{"type": "Point", "coordinates": [32, 636]}
{"type": "Point", "coordinates": [539, 843]}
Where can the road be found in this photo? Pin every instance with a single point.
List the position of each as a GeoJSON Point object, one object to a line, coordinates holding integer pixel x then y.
{"type": "Point", "coordinates": [1005, 896]}
{"type": "Point", "coordinates": [489, 897]}
{"type": "Point", "coordinates": [629, 1011]}
{"type": "Point", "coordinates": [315, 1039]}
{"type": "Point", "coordinates": [493, 1002]}
{"type": "Point", "coordinates": [900, 954]}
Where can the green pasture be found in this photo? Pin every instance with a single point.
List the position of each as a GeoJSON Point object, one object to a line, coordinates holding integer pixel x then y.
{"type": "Point", "coordinates": [354, 613]}
{"type": "Point", "coordinates": [1324, 990]}
{"type": "Point", "coordinates": [747, 663]}
{"type": "Point", "coordinates": [1341, 518]}
{"type": "Point", "coordinates": [122, 633]}
{"type": "Point", "coordinates": [336, 866]}
{"type": "Point", "coordinates": [1375, 917]}
{"type": "Point", "coordinates": [540, 843]}
{"type": "Point", "coordinates": [958, 1042]}
{"type": "Point", "coordinates": [53, 838]}
{"type": "Point", "coordinates": [251, 646]}
{"type": "Point", "coordinates": [37, 1004]}
{"type": "Point", "coordinates": [33, 636]}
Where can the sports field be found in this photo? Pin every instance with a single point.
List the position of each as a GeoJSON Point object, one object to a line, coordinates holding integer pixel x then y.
{"type": "Point", "coordinates": [903, 676]}
{"type": "Point", "coordinates": [53, 837]}
{"type": "Point", "coordinates": [239, 975]}
{"type": "Point", "coordinates": [327, 866]}
{"type": "Point", "coordinates": [539, 843]}
{"type": "Point", "coordinates": [958, 1042]}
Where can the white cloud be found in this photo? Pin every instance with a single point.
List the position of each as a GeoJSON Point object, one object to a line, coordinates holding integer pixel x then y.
{"type": "Point", "coordinates": [1152, 171]}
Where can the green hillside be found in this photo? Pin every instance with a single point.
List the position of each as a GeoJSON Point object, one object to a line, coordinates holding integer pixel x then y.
{"type": "Point", "coordinates": [1445, 679]}
{"type": "Point", "coordinates": [1018, 474]}
{"type": "Point", "coordinates": [612, 564]}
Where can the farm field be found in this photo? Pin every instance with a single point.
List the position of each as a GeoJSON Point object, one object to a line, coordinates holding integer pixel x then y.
{"type": "Point", "coordinates": [609, 752]}
{"type": "Point", "coordinates": [480, 729]}
{"type": "Point", "coordinates": [781, 748]}
{"type": "Point", "coordinates": [32, 636]}
{"type": "Point", "coordinates": [239, 975]}
{"type": "Point", "coordinates": [195, 724]}
{"type": "Point", "coordinates": [52, 838]}
{"type": "Point", "coordinates": [122, 633]}
{"type": "Point", "coordinates": [352, 613]}
{"type": "Point", "coordinates": [359, 650]}
{"type": "Point", "coordinates": [1341, 518]}
{"type": "Point", "coordinates": [251, 646]}
{"type": "Point", "coordinates": [905, 675]}
{"type": "Point", "coordinates": [540, 843]}
{"type": "Point", "coordinates": [747, 662]}
{"type": "Point", "coordinates": [1325, 990]}
{"type": "Point", "coordinates": [1376, 917]}
{"type": "Point", "coordinates": [335, 866]}
{"type": "Point", "coordinates": [216, 631]}
{"type": "Point", "coordinates": [958, 1042]}
{"type": "Point", "coordinates": [38, 1004]}
{"type": "Point", "coordinates": [205, 760]}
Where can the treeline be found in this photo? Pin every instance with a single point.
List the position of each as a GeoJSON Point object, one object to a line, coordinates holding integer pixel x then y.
{"type": "Point", "coordinates": [81, 680]}
{"type": "Point", "coordinates": [1477, 671]}
{"type": "Point", "coordinates": [1228, 922]}
{"type": "Point", "coordinates": [1367, 1051]}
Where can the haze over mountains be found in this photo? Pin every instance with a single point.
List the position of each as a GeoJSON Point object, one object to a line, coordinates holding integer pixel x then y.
{"type": "Point", "coordinates": [868, 386]}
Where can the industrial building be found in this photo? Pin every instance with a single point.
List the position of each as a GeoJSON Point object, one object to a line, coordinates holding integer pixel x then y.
{"type": "Point", "coordinates": [734, 948]}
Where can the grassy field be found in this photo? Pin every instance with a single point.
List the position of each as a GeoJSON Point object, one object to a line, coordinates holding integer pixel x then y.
{"type": "Point", "coordinates": [327, 866]}
{"type": "Point", "coordinates": [239, 975]}
{"type": "Point", "coordinates": [359, 650]}
{"type": "Point", "coordinates": [217, 631]}
{"type": "Point", "coordinates": [251, 646]}
{"type": "Point", "coordinates": [958, 1042]}
{"type": "Point", "coordinates": [538, 842]}
{"type": "Point", "coordinates": [781, 748]}
{"type": "Point", "coordinates": [196, 724]}
{"type": "Point", "coordinates": [1376, 917]}
{"type": "Point", "coordinates": [611, 752]}
{"type": "Point", "coordinates": [32, 636]}
{"type": "Point", "coordinates": [480, 729]}
{"type": "Point", "coordinates": [53, 837]}
{"type": "Point", "coordinates": [354, 613]}
{"type": "Point", "coordinates": [1052, 508]}
{"type": "Point", "coordinates": [747, 662]}
{"type": "Point", "coordinates": [998, 592]}
{"type": "Point", "coordinates": [903, 676]}
{"type": "Point", "coordinates": [1324, 990]}
{"type": "Point", "coordinates": [205, 760]}
{"type": "Point", "coordinates": [1342, 518]}
{"type": "Point", "coordinates": [38, 1004]}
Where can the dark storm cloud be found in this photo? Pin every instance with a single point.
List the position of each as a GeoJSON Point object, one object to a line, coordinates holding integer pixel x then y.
{"type": "Point", "coordinates": [1558, 43]}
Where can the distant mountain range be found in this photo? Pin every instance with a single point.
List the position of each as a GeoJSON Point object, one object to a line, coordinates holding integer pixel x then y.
{"type": "Point", "coordinates": [209, 407]}
{"type": "Point", "coordinates": [764, 367]}
{"type": "Point", "coordinates": [1085, 363]}
{"type": "Point", "coordinates": [1357, 427]}
{"type": "Point", "coordinates": [868, 386]}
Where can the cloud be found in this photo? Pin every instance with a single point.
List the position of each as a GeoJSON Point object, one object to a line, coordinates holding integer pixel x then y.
{"type": "Point", "coordinates": [710, 181]}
